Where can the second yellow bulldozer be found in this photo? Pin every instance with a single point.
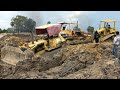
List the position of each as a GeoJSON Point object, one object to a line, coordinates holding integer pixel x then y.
{"type": "Point", "coordinates": [105, 30]}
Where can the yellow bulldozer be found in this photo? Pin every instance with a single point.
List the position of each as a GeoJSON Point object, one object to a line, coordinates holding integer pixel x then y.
{"type": "Point", "coordinates": [12, 55]}
{"type": "Point", "coordinates": [66, 32]}
{"type": "Point", "coordinates": [69, 33]}
{"type": "Point", "coordinates": [107, 31]}
{"type": "Point", "coordinates": [52, 41]}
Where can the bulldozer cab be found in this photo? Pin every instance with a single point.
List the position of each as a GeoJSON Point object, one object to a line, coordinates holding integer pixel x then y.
{"type": "Point", "coordinates": [107, 27]}
{"type": "Point", "coordinates": [66, 26]}
{"type": "Point", "coordinates": [66, 30]}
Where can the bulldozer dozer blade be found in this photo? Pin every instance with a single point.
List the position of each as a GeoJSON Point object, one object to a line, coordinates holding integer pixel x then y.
{"type": "Point", "coordinates": [106, 37]}
{"type": "Point", "coordinates": [12, 55]}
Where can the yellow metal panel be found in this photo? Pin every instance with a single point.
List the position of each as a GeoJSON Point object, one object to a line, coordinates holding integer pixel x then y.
{"type": "Point", "coordinates": [108, 21]}
{"type": "Point", "coordinates": [101, 30]}
{"type": "Point", "coordinates": [32, 46]}
{"type": "Point", "coordinates": [66, 32]}
{"type": "Point", "coordinates": [39, 53]}
{"type": "Point", "coordinates": [36, 43]}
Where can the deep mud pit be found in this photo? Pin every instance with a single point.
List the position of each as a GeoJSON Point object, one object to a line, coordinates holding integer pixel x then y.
{"type": "Point", "coordinates": [82, 61]}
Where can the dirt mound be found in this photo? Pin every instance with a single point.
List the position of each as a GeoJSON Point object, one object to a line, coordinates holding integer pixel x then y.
{"type": "Point", "coordinates": [32, 68]}
{"type": "Point", "coordinates": [86, 63]}
{"type": "Point", "coordinates": [13, 55]}
{"type": "Point", "coordinates": [6, 70]}
{"type": "Point", "coordinates": [83, 61]}
{"type": "Point", "coordinates": [42, 63]}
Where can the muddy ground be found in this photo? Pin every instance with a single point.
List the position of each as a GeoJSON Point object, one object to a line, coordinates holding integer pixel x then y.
{"type": "Point", "coordinates": [81, 61]}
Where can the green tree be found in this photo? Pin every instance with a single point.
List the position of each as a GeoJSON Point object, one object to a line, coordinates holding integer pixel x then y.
{"type": "Point", "coordinates": [90, 29]}
{"type": "Point", "coordinates": [48, 22]}
{"type": "Point", "coordinates": [3, 31]}
{"type": "Point", "coordinates": [30, 25]}
{"type": "Point", "coordinates": [10, 30]}
{"type": "Point", "coordinates": [22, 24]}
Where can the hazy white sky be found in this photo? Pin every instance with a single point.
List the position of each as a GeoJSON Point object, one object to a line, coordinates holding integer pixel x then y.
{"type": "Point", "coordinates": [85, 18]}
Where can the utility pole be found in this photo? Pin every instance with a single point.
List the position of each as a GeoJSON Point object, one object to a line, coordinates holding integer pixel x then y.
{"type": "Point", "coordinates": [32, 37]}
{"type": "Point", "coordinates": [69, 26]}
{"type": "Point", "coordinates": [77, 24]}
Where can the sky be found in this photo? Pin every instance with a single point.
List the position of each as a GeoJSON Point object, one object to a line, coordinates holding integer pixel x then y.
{"type": "Point", "coordinates": [84, 18]}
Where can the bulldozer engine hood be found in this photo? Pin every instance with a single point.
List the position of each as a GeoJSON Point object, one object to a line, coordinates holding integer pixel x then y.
{"type": "Point", "coordinates": [33, 45]}
{"type": "Point", "coordinates": [101, 30]}
{"type": "Point", "coordinates": [66, 32]}
{"type": "Point", "coordinates": [57, 39]}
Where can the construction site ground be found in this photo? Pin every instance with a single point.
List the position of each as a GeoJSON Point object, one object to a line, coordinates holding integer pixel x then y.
{"type": "Point", "coordinates": [81, 61]}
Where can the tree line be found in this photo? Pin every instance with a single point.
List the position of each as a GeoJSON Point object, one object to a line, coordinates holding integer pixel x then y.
{"type": "Point", "coordinates": [20, 24]}
{"type": "Point", "coordinates": [24, 24]}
